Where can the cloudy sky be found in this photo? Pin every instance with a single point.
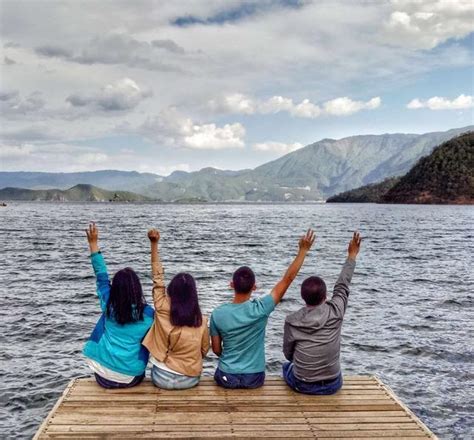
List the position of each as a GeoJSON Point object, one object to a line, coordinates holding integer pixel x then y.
{"type": "Point", "coordinates": [163, 85]}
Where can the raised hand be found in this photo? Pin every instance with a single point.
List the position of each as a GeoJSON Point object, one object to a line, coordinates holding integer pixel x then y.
{"type": "Point", "coordinates": [305, 243]}
{"type": "Point", "coordinates": [307, 240]}
{"type": "Point", "coordinates": [154, 235]}
{"type": "Point", "coordinates": [354, 246]}
{"type": "Point", "coordinates": [93, 237]}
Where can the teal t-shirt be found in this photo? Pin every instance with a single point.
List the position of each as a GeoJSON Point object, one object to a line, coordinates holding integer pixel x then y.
{"type": "Point", "coordinates": [242, 329]}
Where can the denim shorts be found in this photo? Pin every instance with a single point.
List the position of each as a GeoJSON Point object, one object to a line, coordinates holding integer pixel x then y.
{"type": "Point", "coordinates": [317, 388]}
{"type": "Point", "coordinates": [229, 380]}
{"type": "Point", "coordinates": [171, 381]}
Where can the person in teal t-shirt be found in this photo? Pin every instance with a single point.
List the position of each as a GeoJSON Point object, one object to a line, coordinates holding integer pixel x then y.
{"type": "Point", "coordinates": [238, 328]}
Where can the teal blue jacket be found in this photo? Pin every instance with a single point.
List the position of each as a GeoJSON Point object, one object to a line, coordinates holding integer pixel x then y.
{"type": "Point", "coordinates": [115, 346]}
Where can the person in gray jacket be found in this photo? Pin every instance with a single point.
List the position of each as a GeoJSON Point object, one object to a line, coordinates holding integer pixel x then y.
{"type": "Point", "coordinates": [312, 335]}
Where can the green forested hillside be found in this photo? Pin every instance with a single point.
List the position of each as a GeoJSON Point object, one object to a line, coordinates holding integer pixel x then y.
{"type": "Point", "coordinates": [445, 176]}
{"type": "Point", "coordinates": [372, 193]}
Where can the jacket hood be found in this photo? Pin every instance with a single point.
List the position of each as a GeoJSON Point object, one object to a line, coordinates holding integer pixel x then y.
{"type": "Point", "coordinates": [309, 319]}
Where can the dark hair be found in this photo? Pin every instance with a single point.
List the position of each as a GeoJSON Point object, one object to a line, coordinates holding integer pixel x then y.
{"type": "Point", "coordinates": [126, 301]}
{"type": "Point", "coordinates": [184, 310]}
{"type": "Point", "coordinates": [313, 291]}
{"type": "Point", "coordinates": [243, 279]}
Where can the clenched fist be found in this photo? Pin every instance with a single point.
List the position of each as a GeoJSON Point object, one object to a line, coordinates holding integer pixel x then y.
{"type": "Point", "coordinates": [154, 235]}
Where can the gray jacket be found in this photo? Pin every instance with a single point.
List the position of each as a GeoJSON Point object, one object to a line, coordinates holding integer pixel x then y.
{"type": "Point", "coordinates": [312, 335]}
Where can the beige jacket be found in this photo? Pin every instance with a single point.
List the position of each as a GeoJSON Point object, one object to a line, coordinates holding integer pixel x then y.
{"type": "Point", "coordinates": [180, 348]}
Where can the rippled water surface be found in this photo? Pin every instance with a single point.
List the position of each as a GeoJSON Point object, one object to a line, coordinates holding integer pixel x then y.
{"type": "Point", "coordinates": [409, 318]}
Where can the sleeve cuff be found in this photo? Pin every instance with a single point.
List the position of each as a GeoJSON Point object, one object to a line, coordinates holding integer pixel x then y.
{"type": "Point", "coordinates": [351, 261]}
{"type": "Point", "coordinates": [269, 303]}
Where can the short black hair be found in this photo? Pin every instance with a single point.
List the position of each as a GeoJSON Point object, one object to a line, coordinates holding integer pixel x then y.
{"type": "Point", "coordinates": [243, 279]}
{"type": "Point", "coordinates": [313, 291]}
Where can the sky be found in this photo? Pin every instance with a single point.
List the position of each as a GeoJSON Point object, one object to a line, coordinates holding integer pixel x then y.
{"type": "Point", "coordinates": [158, 86]}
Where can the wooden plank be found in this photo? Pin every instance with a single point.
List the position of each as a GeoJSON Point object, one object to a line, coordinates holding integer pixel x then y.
{"type": "Point", "coordinates": [285, 391]}
{"type": "Point", "coordinates": [216, 419]}
{"type": "Point", "coordinates": [185, 435]}
{"type": "Point", "coordinates": [407, 435]}
{"type": "Point", "coordinates": [113, 412]}
{"type": "Point", "coordinates": [271, 391]}
{"type": "Point", "coordinates": [217, 400]}
{"type": "Point", "coordinates": [394, 397]}
{"type": "Point", "coordinates": [364, 408]}
{"type": "Point", "coordinates": [58, 403]}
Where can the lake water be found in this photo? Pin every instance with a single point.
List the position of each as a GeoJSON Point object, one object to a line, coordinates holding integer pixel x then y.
{"type": "Point", "coordinates": [409, 319]}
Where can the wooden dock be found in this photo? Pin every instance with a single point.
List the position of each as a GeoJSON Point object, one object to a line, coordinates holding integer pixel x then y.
{"type": "Point", "coordinates": [363, 408]}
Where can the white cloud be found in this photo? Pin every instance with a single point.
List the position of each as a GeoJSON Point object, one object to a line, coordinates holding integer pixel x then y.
{"type": "Point", "coordinates": [276, 53]}
{"type": "Point", "coordinates": [415, 104]}
{"type": "Point", "coordinates": [306, 109]}
{"type": "Point", "coordinates": [243, 104]}
{"type": "Point", "coordinates": [346, 106]}
{"type": "Point", "coordinates": [12, 103]}
{"type": "Point", "coordinates": [124, 94]}
{"type": "Point", "coordinates": [117, 49]}
{"type": "Point", "coordinates": [277, 147]}
{"type": "Point", "coordinates": [8, 152]}
{"type": "Point", "coordinates": [210, 136]}
{"type": "Point", "coordinates": [234, 103]}
{"type": "Point", "coordinates": [53, 156]}
{"type": "Point", "coordinates": [174, 129]}
{"type": "Point", "coordinates": [275, 104]}
{"type": "Point", "coordinates": [428, 23]}
{"type": "Point", "coordinates": [439, 103]}
{"type": "Point", "coordinates": [63, 157]}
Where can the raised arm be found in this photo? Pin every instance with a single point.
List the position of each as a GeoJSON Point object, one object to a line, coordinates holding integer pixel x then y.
{"type": "Point", "coordinates": [159, 291]}
{"type": "Point", "coordinates": [340, 294]}
{"type": "Point", "coordinates": [305, 243]}
{"type": "Point", "coordinates": [99, 266]}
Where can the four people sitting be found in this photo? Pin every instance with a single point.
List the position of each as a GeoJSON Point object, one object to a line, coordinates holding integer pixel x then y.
{"type": "Point", "coordinates": [174, 336]}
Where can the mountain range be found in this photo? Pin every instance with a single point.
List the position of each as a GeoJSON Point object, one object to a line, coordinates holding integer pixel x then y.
{"type": "Point", "coordinates": [312, 173]}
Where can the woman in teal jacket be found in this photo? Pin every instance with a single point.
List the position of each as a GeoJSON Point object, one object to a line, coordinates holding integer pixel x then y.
{"type": "Point", "coordinates": [114, 351]}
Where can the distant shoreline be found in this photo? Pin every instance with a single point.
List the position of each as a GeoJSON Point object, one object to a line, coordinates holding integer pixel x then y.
{"type": "Point", "coordinates": [158, 202]}
{"type": "Point", "coordinates": [228, 203]}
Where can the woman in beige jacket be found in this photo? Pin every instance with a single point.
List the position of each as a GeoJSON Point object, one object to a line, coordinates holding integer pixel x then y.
{"type": "Point", "coordinates": [179, 338]}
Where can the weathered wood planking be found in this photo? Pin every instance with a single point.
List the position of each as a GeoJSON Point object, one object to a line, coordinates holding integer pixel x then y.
{"type": "Point", "coordinates": [363, 408]}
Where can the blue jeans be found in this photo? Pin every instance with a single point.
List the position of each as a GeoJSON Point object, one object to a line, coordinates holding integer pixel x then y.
{"type": "Point", "coordinates": [229, 380]}
{"type": "Point", "coordinates": [324, 387]}
{"type": "Point", "coordinates": [110, 384]}
{"type": "Point", "coordinates": [170, 381]}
